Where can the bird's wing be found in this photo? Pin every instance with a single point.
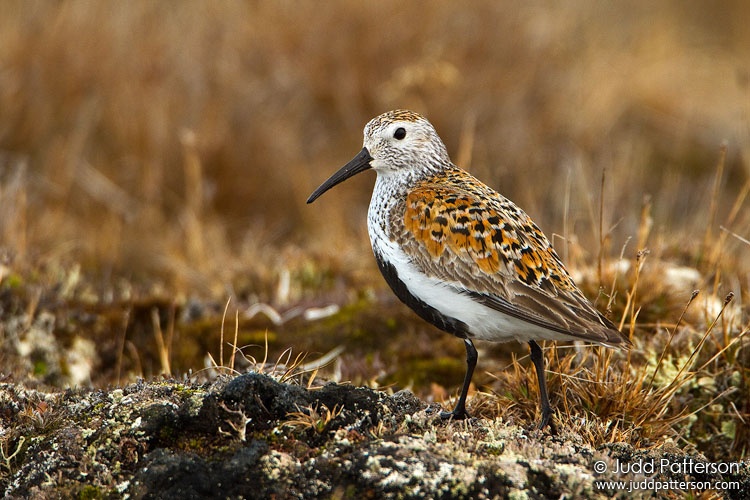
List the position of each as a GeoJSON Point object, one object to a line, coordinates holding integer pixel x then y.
{"type": "Point", "coordinates": [488, 248]}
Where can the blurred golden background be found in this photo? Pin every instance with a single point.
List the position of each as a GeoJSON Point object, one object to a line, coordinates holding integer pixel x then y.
{"type": "Point", "coordinates": [178, 141]}
{"type": "Point", "coordinates": [166, 149]}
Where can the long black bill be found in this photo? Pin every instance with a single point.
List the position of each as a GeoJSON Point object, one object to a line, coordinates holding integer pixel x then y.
{"type": "Point", "coordinates": [359, 163]}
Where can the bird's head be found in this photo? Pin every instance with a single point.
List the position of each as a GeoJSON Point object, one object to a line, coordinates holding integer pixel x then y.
{"type": "Point", "coordinates": [396, 143]}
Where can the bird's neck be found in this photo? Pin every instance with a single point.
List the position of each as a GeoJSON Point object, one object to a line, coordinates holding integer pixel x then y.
{"type": "Point", "coordinates": [387, 202]}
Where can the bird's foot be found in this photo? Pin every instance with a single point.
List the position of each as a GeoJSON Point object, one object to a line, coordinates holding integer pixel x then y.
{"type": "Point", "coordinates": [457, 414]}
{"type": "Point", "coordinates": [546, 420]}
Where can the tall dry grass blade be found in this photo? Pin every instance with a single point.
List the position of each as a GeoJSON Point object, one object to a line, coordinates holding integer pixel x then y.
{"type": "Point", "coordinates": [221, 332]}
{"type": "Point", "coordinates": [679, 379]}
{"type": "Point", "coordinates": [724, 349]}
{"type": "Point", "coordinates": [170, 333]}
{"type": "Point", "coordinates": [646, 222]}
{"type": "Point", "coordinates": [236, 336]}
{"type": "Point", "coordinates": [630, 296]}
{"type": "Point", "coordinates": [121, 345]}
{"type": "Point", "coordinates": [727, 300]}
{"type": "Point", "coordinates": [133, 350]}
{"type": "Point", "coordinates": [14, 206]}
{"type": "Point", "coordinates": [737, 236]}
{"type": "Point", "coordinates": [671, 336]}
{"type": "Point", "coordinates": [566, 217]}
{"type": "Point", "coordinates": [286, 352]}
{"type": "Point", "coordinates": [466, 141]}
{"type": "Point", "coordinates": [292, 369]}
{"type": "Point", "coordinates": [600, 256]}
{"type": "Point", "coordinates": [708, 243]}
{"type": "Point", "coordinates": [612, 290]}
{"type": "Point", "coordinates": [193, 210]}
{"type": "Point", "coordinates": [213, 362]}
{"type": "Point", "coordinates": [265, 350]}
{"type": "Point", "coordinates": [103, 189]}
{"type": "Point", "coordinates": [737, 205]}
{"type": "Point", "coordinates": [161, 346]}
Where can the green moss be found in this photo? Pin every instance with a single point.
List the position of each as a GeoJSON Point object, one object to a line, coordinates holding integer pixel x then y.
{"type": "Point", "coordinates": [13, 280]}
{"type": "Point", "coordinates": [40, 367]}
{"type": "Point", "coordinates": [90, 492]}
{"type": "Point", "coordinates": [729, 428]}
{"type": "Point", "coordinates": [256, 337]}
{"type": "Point", "coordinates": [199, 445]}
{"type": "Point", "coordinates": [348, 314]}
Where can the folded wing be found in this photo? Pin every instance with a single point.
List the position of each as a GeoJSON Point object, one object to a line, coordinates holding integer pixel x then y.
{"type": "Point", "coordinates": [481, 243]}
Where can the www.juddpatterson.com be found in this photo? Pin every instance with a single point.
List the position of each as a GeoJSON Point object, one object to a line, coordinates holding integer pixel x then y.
{"type": "Point", "coordinates": [671, 485]}
{"type": "Point", "coordinates": [645, 467]}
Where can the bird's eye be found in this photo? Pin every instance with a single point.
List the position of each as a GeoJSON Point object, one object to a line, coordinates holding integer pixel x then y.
{"type": "Point", "coordinates": [400, 133]}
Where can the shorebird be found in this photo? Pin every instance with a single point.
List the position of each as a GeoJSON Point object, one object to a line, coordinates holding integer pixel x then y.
{"type": "Point", "coordinates": [461, 255]}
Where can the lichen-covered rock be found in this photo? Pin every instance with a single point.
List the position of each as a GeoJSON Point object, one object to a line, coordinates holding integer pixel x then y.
{"type": "Point", "coordinates": [256, 437]}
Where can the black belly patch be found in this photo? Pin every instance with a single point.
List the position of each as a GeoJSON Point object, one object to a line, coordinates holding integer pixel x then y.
{"type": "Point", "coordinates": [425, 311]}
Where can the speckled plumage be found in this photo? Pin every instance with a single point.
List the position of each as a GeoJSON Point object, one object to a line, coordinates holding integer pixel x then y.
{"type": "Point", "coordinates": [464, 257]}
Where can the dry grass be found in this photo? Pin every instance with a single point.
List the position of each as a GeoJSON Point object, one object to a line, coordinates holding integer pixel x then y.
{"type": "Point", "coordinates": [285, 368]}
{"type": "Point", "coordinates": [181, 149]}
{"type": "Point", "coordinates": [313, 418]}
{"type": "Point", "coordinates": [152, 150]}
{"type": "Point", "coordinates": [683, 381]}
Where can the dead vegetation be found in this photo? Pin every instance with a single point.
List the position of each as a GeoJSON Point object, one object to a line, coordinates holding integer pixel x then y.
{"type": "Point", "coordinates": [155, 159]}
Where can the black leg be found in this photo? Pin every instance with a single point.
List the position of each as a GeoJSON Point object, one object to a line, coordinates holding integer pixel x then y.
{"type": "Point", "coordinates": [538, 359]}
{"type": "Point", "coordinates": [459, 412]}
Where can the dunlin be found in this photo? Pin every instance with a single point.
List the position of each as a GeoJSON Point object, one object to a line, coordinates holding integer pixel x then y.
{"type": "Point", "coordinates": [461, 255]}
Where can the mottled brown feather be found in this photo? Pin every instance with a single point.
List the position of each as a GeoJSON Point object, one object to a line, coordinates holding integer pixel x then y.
{"type": "Point", "coordinates": [465, 233]}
